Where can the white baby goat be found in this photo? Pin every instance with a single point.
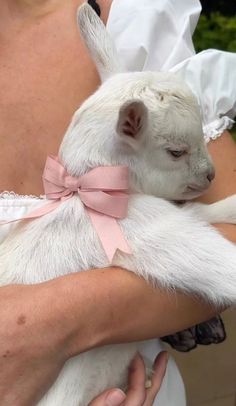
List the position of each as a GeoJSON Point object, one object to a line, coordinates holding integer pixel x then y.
{"type": "Point", "coordinates": [151, 123]}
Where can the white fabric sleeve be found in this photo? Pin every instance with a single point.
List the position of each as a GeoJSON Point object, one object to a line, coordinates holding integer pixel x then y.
{"type": "Point", "coordinates": [157, 35]}
{"type": "Point", "coordinates": [211, 75]}
{"type": "Point", "coordinates": [153, 34]}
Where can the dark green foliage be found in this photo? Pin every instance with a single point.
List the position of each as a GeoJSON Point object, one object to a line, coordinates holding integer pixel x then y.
{"type": "Point", "coordinates": [225, 7]}
{"type": "Point", "coordinates": [216, 31]}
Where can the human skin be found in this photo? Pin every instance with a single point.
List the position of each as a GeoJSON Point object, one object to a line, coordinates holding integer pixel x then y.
{"type": "Point", "coordinates": [223, 152]}
{"type": "Point", "coordinates": [45, 75]}
{"type": "Point", "coordinates": [137, 395]}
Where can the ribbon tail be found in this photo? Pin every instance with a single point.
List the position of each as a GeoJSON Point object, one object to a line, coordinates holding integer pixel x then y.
{"type": "Point", "coordinates": [110, 234]}
{"type": "Point", "coordinates": [39, 212]}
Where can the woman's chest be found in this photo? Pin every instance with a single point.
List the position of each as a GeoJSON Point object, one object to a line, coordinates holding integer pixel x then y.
{"type": "Point", "coordinates": [41, 84]}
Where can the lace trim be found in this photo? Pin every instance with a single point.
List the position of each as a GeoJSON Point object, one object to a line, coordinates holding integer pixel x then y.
{"type": "Point", "coordinates": [12, 195]}
{"type": "Point", "coordinates": [214, 129]}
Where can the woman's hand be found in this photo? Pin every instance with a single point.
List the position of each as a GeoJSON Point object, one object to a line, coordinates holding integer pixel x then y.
{"type": "Point", "coordinates": [136, 395]}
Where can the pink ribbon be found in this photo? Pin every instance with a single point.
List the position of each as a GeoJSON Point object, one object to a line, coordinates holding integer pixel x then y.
{"type": "Point", "coordinates": [103, 191]}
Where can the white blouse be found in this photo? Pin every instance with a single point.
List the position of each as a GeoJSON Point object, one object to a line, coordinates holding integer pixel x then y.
{"type": "Point", "coordinates": [157, 35]}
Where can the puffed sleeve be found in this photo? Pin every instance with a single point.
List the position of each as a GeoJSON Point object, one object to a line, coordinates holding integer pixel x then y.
{"type": "Point", "coordinates": [153, 34]}
{"type": "Point", "coordinates": [211, 75]}
{"type": "Point", "coordinates": [157, 35]}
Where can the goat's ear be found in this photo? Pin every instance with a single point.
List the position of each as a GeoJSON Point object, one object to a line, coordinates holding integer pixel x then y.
{"type": "Point", "coordinates": [98, 42]}
{"type": "Point", "coordinates": [132, 121]}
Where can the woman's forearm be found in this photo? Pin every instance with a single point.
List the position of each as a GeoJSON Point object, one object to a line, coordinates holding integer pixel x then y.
{"type": "Point", "coordinates": [106, 306]}
{"type": "Point", "coordinates": [223, 152]}
{"type": "Point", "coordinates": [227, 230]}
{"type": "Point", "coordinates": [42, 325]}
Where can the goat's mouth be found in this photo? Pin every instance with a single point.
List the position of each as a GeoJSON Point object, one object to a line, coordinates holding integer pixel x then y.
{"type": "Point", "coordinates": [193, 191]}
{"type": "Point", "coordinates": [196, 188]}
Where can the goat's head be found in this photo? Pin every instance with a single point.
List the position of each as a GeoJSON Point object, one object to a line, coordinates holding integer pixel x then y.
{"type": "Point", "coordinates": [148, 121]}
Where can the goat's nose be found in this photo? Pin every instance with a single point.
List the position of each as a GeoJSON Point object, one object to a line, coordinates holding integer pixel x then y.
{"type": "Point", "coordinates": [211, 175]}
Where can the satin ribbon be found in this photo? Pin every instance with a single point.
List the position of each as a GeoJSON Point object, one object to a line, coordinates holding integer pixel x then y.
{"type": "Point", "coordinates": [102, 190]}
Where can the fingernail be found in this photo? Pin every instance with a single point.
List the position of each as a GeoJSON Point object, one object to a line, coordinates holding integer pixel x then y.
{"type": "Point", "coordinates": [115, 398]}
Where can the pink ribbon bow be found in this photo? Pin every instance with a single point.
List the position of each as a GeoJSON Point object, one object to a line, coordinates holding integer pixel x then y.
{"type": "Point", "coordinates": [103, 191]}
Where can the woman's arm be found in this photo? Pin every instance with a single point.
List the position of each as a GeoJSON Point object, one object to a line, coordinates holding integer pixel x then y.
{"type": "Point", "coordinates": [223, 152]}
{"type": "Point", "coordinates": [43, 325]}
{"type": "Point", "coordinates": [112, 305]}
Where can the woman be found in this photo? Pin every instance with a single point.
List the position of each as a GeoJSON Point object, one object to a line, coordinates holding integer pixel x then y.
{"type": "Point", "coordinates": [45, 74]}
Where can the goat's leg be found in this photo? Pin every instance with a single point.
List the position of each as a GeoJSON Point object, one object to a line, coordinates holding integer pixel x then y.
{"type": "Point", "coordinates": [186, 254]}
{"type": "Point", "coordinates": [223, 211]}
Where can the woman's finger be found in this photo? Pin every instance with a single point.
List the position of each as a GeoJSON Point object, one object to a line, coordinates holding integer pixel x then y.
{"type": "Point", "coordinates": [112, 397]}
{"type": "Point", "coordinates": [136, 393]}
{"type": "Point", "coordinates": [160, 365]}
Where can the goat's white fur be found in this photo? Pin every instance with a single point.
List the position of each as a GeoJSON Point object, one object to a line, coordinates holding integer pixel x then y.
{"type": "Point", "coordinates": [93, 32]}
{"type": "Point", "coordinates": [173, 247]}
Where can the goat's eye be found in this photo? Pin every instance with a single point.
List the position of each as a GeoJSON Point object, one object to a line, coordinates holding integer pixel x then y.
{"type": "Point", "coordinates": [176, 153]}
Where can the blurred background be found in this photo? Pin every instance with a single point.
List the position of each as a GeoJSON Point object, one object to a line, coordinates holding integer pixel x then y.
{"type": "Point", "coordinates": [217, 28]}
{"type": "Point", "coordinates": [209, 372]}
